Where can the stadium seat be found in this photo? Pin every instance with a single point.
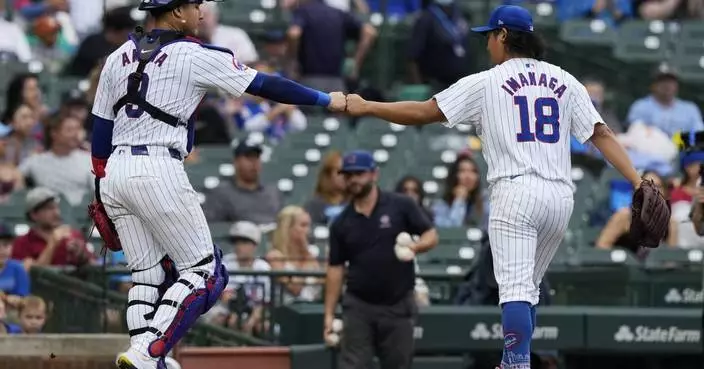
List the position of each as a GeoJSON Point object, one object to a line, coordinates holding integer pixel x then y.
{"type": "Point", "coordinates": [641, 41]}
{"type": "Point", "coordinates": [589, 256]}
{"type": "Point", "coordinates": [587, 32]}
{"type": "Point", "coordinates": [667, 257]}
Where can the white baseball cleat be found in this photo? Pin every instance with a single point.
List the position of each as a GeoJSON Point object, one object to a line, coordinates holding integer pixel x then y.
{"type": "Point", "coordinates": [134, 360]}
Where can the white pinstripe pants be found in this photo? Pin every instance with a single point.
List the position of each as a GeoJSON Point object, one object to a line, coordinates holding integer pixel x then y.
{"type": "Point", "coordinates": [527, 222]}
{"type": "Point", "coordinates": [155, 209]}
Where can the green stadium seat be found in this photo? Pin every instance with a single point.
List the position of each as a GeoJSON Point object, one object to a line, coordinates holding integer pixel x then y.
{"type": "Point", "coordinates": [642, 41]}
{"type": "Point", "coordinates": [667, 257]}
{"type": "Point", "coordinates": [14, 207]}
{"type": "Point", "coordinates": [589, 256]}
{"type": "Point", "coordinates": [587, 32]}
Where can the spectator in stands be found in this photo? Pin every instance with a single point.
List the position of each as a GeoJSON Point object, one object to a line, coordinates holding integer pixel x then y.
{"type": "Point", "coordinates": [329, 197]}
{"type": "Point", "coordinates": [48, 43]}
{"type": "Point", "coordinates": [361, 6]}
{"type": "Point", "coordinates": [30, 9]}
{"type": "Point", "coordinates": [617, 229]}
{"type": "Point", "coordinates": [24, 89]}
{"type": "Point", "coordinates": [14, 280]}
{"type": "Point", "coordinates": [438, 47]}
{"type": "Point", "coordinates": [397, 9]}
{"type": "Point", "coordinates": [683, 197]}
{"type": "Point", "coordinates": [20, 142]}
{"type": "Point", "coordinates": [64, 168]}
{"type": "Point", "coordinates": [261, 115]}
{"type": "Point", "coordinates": [7, 327]}
{"type": "Point", "coordinates": [49, 242]}
{"type": "Point", "coordinates": [117, 25]}
{"type": "Point", "coordinates": [597, 91]}
{"type": "Point", "coordinates": [254, 290]}
{"type": "Point", "coordinates": [413, 187]}
{"type": "Point", "coordinates": [11, 180]}
{"type": "Point", "coordinates": [245, 197]}
{"type": "Point", "coordinates": [669, 9]}
{"type": "Point", "coordinates": [33, 314]}
{"type": "Point", "coordinates": [275, 50]}
{"type": "Point", "coordinates": [232, 38]}
{"type": "Point", "coordinates": [292, 252]}
{"type": "Point", "coordinates": [662, 108]}
{"type": "Point", "coordinates": [685, 189]}
{"type": "Point", "coordinates": [13, 40]}
{"type": "Point", "coordinates": [74, 105]}
{"type": "Point", "coordinates": [462, 202]}
{"type": "Point", "coordinates": [610, 11]}
{"type": "Point", "coordinates": [318, 36]}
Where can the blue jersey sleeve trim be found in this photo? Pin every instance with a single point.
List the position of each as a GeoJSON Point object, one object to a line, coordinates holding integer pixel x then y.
{"type": "Point", "coordinates": [101, 147]}
{"type": "Point", "coordinates": [285, 91]}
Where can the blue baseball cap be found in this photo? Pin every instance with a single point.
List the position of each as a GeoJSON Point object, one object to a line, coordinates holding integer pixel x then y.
{"type": "Point", "coordinates": [511, 17]}
{"type": "Point", "coordinates": [358, 161]}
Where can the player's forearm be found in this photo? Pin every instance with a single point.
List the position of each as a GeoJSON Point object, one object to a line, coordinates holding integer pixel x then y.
{"type": "Point", "coordinates": [407, 113]}
{"type": "Point", "coordinates": [428, 240]}
{"type": "Point", "coordinates": [285, 91]}
{"type": "Point", "coordinates": [605, 140]}
{"type": "Point", "coordinates": [333, 288]}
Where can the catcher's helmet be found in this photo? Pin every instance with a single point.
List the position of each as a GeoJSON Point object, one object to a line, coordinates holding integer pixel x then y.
{"type": "Point", "coordinates": [160, 4]}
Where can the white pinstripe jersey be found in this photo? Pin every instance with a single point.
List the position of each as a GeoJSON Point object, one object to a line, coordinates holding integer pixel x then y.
{"type": "Point", "coordinates": [525, 111]}
{"type": "Point", "coordinates": [176, 81]}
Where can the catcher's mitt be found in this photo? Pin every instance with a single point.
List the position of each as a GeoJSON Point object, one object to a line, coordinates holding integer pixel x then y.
{"type": "Point", "coordinates": [650, 215]}
{"type": "Point", "coordinates": [105, 226]}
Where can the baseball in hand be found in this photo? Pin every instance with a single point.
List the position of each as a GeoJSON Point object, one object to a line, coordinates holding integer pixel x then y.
{"type": "Point", "coordinates": [332, 339]}
{"type": "Point", "coordinates": [402, 248]}
{"type": "Point", "coordinates": [337, 326]}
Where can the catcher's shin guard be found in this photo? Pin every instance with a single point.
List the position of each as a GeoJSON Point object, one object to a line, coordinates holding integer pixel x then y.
{"type": "Point", "coordinates": [143, 298]}
{"type": "Point", "coordinates": [196, 291]}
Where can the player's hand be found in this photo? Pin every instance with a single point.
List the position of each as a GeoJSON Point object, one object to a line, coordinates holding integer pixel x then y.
{"type": "Point", "coordinates": [337, 102]}
{"type": "Point", "coordinates": [327, 326]}
{"type": "Point", "coordinates": [356, 105]}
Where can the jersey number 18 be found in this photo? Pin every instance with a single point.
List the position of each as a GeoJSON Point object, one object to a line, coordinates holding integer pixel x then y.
{"type": "Point", "coordinates": [542, 119]}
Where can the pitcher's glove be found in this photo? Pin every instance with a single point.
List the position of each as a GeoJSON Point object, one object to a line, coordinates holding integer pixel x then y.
{"type": "Point", "coordinates": [650, 215]}
{"type": "Point", "coordinates": [105, 226]}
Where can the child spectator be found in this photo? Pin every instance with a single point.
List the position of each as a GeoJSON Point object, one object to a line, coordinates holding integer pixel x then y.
{"type": "Point", "coordinates": [33, 314]}
{"type": "Point", "coordinates": [14, 280]}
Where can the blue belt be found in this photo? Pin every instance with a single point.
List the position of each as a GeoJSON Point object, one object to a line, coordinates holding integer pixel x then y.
{"type": "Point", "coordinates": [143, 150]}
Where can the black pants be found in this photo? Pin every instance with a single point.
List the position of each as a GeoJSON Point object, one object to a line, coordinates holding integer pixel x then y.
{"type": "Point", "coordinates": [385, 331]}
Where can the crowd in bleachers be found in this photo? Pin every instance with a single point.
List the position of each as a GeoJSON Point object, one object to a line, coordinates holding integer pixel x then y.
{"type": "Point", "coordinates": [264, 207]}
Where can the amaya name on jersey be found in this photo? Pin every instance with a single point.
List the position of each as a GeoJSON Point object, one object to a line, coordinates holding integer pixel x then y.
{"type": "Point", "coordinates": [514, 84]}
{"type": "Point", "coordinates": [158, 59]}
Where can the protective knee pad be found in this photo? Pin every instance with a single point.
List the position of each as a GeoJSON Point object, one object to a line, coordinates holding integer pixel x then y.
{"type": "Point", "coordinates": [204, 282]}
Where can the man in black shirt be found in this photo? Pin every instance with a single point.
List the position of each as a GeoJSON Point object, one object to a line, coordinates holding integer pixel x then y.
{"type": "Point", "coordinates": [379, 309]}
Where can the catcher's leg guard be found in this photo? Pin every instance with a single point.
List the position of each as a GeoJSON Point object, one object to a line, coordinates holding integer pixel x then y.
{"type": "Point", "coordinates": [143, 298]}
{"type": "Point", "coordinates": [195, 292]}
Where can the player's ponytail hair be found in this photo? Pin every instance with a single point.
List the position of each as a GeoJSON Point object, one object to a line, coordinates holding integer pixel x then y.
{"type": "Point", "coordinates": [525, 44]}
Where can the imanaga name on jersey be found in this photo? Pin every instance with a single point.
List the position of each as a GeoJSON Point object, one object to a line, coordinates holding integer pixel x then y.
{"type": "Point", "coordinates": [158, 59]}
{"type": "Point", "coordinates": [514, 84]}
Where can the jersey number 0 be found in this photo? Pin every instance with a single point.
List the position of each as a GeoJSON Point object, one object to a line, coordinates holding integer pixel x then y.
{"type": "Point", "coordinates": [542, 119]}
{"type": "Point", "coordinates": [134, 111]}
